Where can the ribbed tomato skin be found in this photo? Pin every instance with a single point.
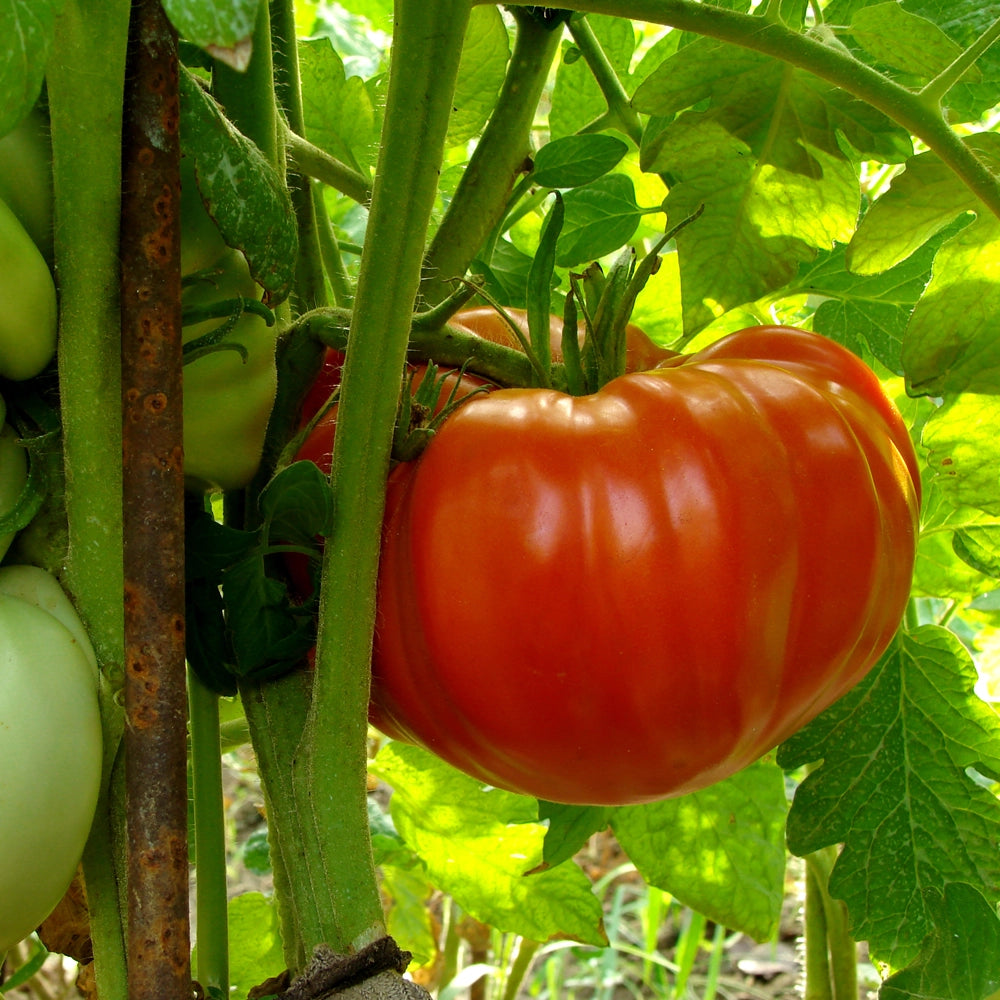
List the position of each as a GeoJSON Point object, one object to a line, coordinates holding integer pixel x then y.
{"type": "Point", "coordinates": [620, 597]}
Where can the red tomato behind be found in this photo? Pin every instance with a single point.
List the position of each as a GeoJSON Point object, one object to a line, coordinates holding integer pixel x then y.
{"type": "Point", "coordinates": [630, 595]}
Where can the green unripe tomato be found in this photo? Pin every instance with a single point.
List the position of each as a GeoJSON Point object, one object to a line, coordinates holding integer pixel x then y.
{"type": "Point", "coordinates": [27, 330]}
{"type": "Point", "coordinates": [26, 178]}
{"type": "Point", "coordinates": [50, 746]}
{"type": "Point", "coordinates": [227, 402]}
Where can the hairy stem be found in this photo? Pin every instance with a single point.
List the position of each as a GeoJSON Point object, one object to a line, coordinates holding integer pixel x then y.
{"type": "Point", "coordinates": [934, 91]}
{"type": "Point", "coordinates": [481, 199]}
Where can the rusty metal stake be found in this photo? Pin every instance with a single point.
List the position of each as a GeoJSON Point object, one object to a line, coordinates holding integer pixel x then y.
{"type": "Point", "coordinates": [158, 933]}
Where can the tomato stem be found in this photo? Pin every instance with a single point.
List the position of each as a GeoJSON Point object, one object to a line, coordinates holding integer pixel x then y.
{"type": "Point", "coordinates": [209, 836]}
{"type": "Point", "coordinates": [841, 947]}
{"type": "Point", "coordinates": [85, 80]}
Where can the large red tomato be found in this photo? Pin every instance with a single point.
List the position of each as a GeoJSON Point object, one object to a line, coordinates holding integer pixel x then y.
{"type": "Point", "coordinates": [619, 597]}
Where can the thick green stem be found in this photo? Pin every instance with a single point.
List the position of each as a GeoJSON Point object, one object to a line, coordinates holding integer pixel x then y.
{"type": "Point", "coordinates": [85, 79]}
{"type": "Point", "coordinates": [934, 91]}
{"type": "Point", "coordinates": [817, 956]}
{"type": "Point", "coordinates": [330, 770]}
{"type": "Point", "coordinates": [906, 108]}
{"type": "Point", "coordinates": [312, 161]}
{"type": "Point", "coordinates": [481, 199]}
{"type": "Point", "coordinates": [209, 837]}
{"type": "Point", "coordinates": [620, 112]}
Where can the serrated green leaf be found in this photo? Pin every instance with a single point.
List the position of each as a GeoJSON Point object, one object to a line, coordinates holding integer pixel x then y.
{"type": "Point", "coordinates": [478, 842]}
{"type": "Point", "coordinates": [963, 451]}
{"type": "Point", "coordinates": [26, 31]}
{"type": "Point", "coordinates": [867, 314]}
{"type": "Point", "coordinates": [893, 789]}
{"type": "Point", "coordinates": [763, 159]}
{"type": "Point", "coordinates": [905, 41]}
{"type": "Point", "coordinates": [601, 217]}
{"type": "Point", "coordinates": [219, 26]}
{"type": "Point", "coordinates": [960, 957]}
{"type": "Point", "coordinates": [480, 74]}
{"type": "Point", "coordinates": [951, 343]}
{"type": "Point", "coordinates": [720, 851]}
{"type": "Point", "coordinates": [577, 100]}
{"type": "Point", "coordinates": [241, 191]}
{"type": "Point", "coordinates": [339, 113]}
{"type": "Point", "coordinates": [921, 201]}
{"type": "Point", "coordinates": [576, 160]}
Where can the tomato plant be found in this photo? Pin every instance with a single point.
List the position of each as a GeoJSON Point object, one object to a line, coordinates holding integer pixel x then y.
{"type": "Point", "coordinates": [659, 598]}
{"type": "Point", "coordinates": [50, 738]}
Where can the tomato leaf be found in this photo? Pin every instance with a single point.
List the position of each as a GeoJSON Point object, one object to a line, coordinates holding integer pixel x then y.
{"type": "Point", "coordinates": [720, 851]}
{"type": "Point", "coordinates": [269, 634]}
{"type": "Point", "coordinates": [961, 955]}
{"type": "Point", "coordinates": [221, 27]}
{"type": "Point", "coordinates": [479, 848]}
{"type": "Point", "coordinates": [963, 450]}
{"type": "Point", "coordinates": [905, 41]}
{"type": "Point", "coordinates": [241, 191]}
{"type": "Point", "coordinates": [869, 314]}
{"type": "Point", "coordinates": [601, 217]}
{"type": "Point", "coordinates": [297, 504]}
{"type": "Point", "coordinates": [340, 115]}
{"type": "Point", "coordinates": [480, 74]}
{"type": "Point", "coordinates": [576, 160]}
{"type": "Point", "coordinates": [894, 788]}
{"type": "Point", "coordinates": [569, 828]}
{"type": "Point", "coordinates": [764, 159]}
{"type": "Point", "coordinates": [26, 32]}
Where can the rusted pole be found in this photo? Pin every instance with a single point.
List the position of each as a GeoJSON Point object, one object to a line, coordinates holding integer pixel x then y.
{"type": "Point", "coordinates": [158, 933]}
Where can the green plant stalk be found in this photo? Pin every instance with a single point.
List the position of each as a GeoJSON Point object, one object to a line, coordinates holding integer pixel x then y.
{"type": "Point", "coordinates": [248, 97]}
{"type": "Point", "coordinates": [209, 837]}
{"type": "Point", "coordinates": [934, 91]}
{"type": "Point", "coordinates": [526, 950]}
{"type": "Point", "coordinates": [330, 771]}
{"type": "Point", "coordinates": [480, 200]}
{"type": "Point", "coordinates": [817, 956]}
{"type": "Point", "coordinates": [333, 260]}
{"type": "Point", "coordinates": [85, 79]}
{"type": "Point", "coordinates": [619, 108]}
{"type": "Point", "coordinates": [715, 963]}
{"type": "Point", "coordinates": [305, 158]}
{"type": "Point", "coordinates": [906, 108]}
{"type": "Point", "coordinates": [842, 947]}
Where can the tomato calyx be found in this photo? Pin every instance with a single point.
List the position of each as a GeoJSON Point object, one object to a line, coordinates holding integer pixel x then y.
{"type": "Point", "coordinates": [232, 310]}
{"type": "Point", "coordinates": [424, 407]}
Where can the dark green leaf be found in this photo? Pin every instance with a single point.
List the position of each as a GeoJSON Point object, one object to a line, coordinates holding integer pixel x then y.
{"type": "Point", "coordinates": [242, 192]}
{"type": "Point", "coordinates": [209, 547]}
{"type": "Point", "coordinates": [569, 829]}
{"type": "Point", "coordinates": [269, 634]}
{"type": "Point", "coordinates": [600, 218]}
{"type": "Point", "coordinates": [26, 31]}
{"type": "Point", "coordinates": [219, 26]}
{"type": "Point", "coordinates": [479, 848]}
{"type": "Point", "coordinates": [256, 853]}
{"type": "Point", "coordinates": [506, 275]}
{"type": "Point", "coordinates": [960, 958]}
{"type": "Point", "coordinates": [893, 788]}
{"type": "Point", "coordinates": [576, 160]}
{"type": "Point", "coordinates": [206, 640]}
{"type": "Point", "coordinates": [720, 851]}
{"type": "Point", "coordinates": [297, 504]}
